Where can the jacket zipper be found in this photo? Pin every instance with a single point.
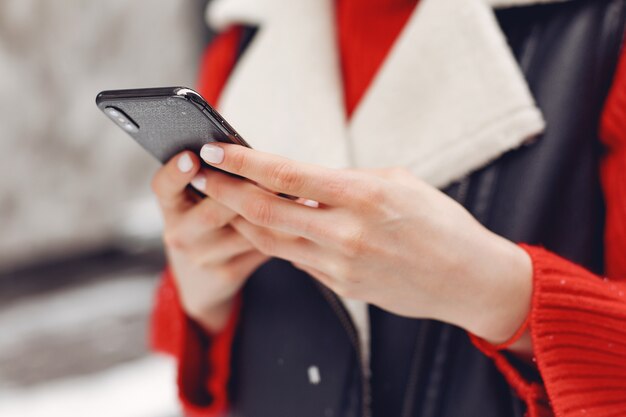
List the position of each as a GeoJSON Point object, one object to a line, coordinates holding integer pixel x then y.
{"type": "Point", "coordinates": [408, 406]}
{"type": "Point", "coordinates": [349, 327]}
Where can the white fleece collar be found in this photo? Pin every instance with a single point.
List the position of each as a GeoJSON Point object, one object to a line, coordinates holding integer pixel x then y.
{"type": "Point", "coordinates": [511, 3]}
{"type": "Point", "coordinates": [449, 98]}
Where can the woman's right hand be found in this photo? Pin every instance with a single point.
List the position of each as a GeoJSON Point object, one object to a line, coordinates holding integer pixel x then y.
{"type": "Point", "coordinates": [210, 261]}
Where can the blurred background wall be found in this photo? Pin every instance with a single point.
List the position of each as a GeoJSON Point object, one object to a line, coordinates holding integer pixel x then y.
{"type": "Point", "coordinates": [79, 232]}
{"type": "Point", "coordinates": [69, 175]}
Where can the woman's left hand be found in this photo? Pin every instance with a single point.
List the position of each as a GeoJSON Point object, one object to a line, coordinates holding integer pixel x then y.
{"type": "Point", "coordinates": [381, 236]}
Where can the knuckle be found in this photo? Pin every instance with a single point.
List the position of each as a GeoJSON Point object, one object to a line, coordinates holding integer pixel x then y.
{"type": "Point", "coordinates": [285, 176]}
{"type": "Point", "coordinates": [238, 222]}
{"type": "Point", "coordinates": [238, 161]}
{"type": "Point", "coordinates": [371, 193]}
{"type": "Point", "coordinates": [258, 211]}
{"type": "Point", "coordinates": [352, 241]}
{"type": "Point", "coordinates": [336, 187]}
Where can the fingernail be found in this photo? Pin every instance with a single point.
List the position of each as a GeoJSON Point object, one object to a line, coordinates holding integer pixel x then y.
{"type": "Point", "coordinates": [212, 154]}
{"type": "Point", "coordinates": [185, 163]}
{"type": "Point", "coordinates": [199, 182]}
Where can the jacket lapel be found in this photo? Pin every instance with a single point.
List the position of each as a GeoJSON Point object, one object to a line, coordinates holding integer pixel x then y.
{"type": "Point", "coordinates": [285, 95]}
{"type": "Point", "coordinates": [449, 98]}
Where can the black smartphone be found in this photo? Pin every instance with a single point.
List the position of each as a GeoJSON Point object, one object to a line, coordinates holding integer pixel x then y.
{"type": "Point", "coordinates": [168, 120]}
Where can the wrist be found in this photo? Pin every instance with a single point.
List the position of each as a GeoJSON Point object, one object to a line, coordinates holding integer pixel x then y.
{"type": "Point", "coordinates": [214, 318]}
{"type": "Point", "coordinates": [505, 293]}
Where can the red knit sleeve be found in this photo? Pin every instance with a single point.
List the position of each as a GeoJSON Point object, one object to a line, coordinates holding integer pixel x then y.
{"type": "Point", "coordinates": [203, 359]}
{"type": "Point", "coordinates": [577, 319]}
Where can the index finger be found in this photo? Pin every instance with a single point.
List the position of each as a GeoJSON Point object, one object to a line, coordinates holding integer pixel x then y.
{"type": "Point", "coordinates": [279, 174]}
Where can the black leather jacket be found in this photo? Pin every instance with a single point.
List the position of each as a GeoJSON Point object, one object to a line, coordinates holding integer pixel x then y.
{"type": "Point", "coordinates": [545, 193]}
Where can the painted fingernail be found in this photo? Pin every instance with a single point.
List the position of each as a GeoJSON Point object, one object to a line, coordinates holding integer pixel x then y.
{"type": "Point", "coordinates": [311, 203]}
{"type": "Point", "coordinates": [185, 164]}
{"type": "Point", "coordinates": [199, 182]}
{"type": "Point", "coordinates": [212, 154]}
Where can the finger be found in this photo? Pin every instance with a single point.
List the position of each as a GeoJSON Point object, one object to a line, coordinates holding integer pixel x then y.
{"type": "Point", "coordinates": [280, 174]}
{"type": "Point", "coordinates": [220, 246]}
{"type": "Point", "coordinates": [266, 209]}
{"type": "Point", "coordinates": [204, 217]}
{"type": "Point", "coordinates": [397, 175]}
{"type": "Point", "coordinates": [386, 173]}
{"type": "Point", "coordinates": [170, 181]}
{"type": "Point", "coordinates": [276, 244]}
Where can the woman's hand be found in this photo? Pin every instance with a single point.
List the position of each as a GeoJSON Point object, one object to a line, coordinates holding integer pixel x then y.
{"type": "Point", "coordinates": [385, 238]}
{"type": "Point", "coordinates": [209, 259]}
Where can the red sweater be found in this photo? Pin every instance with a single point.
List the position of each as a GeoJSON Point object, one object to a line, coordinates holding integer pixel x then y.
{"type": "Point", "coordinates": [577, 319]}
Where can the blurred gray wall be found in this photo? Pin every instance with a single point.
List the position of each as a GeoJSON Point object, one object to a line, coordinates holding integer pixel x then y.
{"type": "Point", "coordinates": [71, 180]}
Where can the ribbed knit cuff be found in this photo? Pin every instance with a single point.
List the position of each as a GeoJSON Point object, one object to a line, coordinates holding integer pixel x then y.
{"type": "Point", "coordinates": [203, 359]}
{"type": "Point", "coordinates": [531, 392]}
{"type": "Point", "coordinates": [578, 327]}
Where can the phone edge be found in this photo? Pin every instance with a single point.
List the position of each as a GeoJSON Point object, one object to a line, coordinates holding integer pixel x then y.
{"type": "Point", "coordinates": [182, 92]}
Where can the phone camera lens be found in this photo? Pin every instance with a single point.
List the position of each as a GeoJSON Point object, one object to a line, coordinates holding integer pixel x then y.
{"type": "Point", "coordinates": [129, 127]}
{"type": "Point", "coordinates": [111, 112]}
{"type": "Point", "coordinates": [121, 119]}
